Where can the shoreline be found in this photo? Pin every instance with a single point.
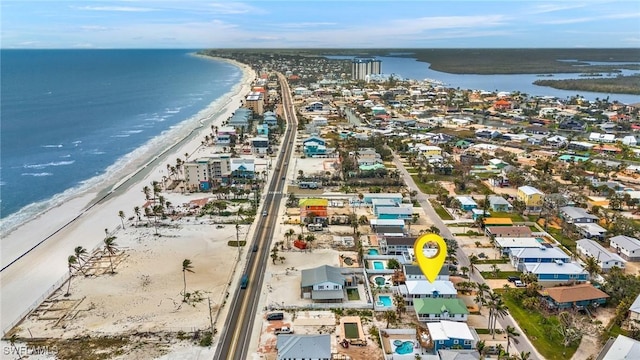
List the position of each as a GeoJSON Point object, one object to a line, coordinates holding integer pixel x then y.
{"type": "Point", "coordinates": [81, 220]}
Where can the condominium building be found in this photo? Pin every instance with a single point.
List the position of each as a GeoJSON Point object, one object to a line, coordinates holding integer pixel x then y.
{"type": "Point", "coordinates": [361, 67]}
{"type": "Point", "coordinates": [202, 173]}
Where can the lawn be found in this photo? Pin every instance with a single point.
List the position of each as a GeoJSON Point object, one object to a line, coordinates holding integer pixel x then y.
{"type": "Point", "coordinates": [493, 261]}
{"type": "Point", "coordinates": [444, 214]}
{"type": "Point", "coordinates": [567, 242]}
{"type": "Point", "coordinates": [501, 274]}
{"type": "Point", "coordinates": [515, 217]}
{"type": "Point", "coordinates": [539, 328]}
{"type": "Point", "coordinates": [352, 294]}
{"type": "Point", "coordinates": [430, 187]}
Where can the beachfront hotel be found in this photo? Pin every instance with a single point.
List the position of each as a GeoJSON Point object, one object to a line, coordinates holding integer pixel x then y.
{"type": "Point", "coordinates": [361, 67]}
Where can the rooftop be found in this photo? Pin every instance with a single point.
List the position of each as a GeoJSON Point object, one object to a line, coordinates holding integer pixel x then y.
{"type": "Point", "coordinates": [575, 293]}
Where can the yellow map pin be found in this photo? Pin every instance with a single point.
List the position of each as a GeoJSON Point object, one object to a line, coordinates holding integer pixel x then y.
{"type": "Point", "coordinates": [430, 265]}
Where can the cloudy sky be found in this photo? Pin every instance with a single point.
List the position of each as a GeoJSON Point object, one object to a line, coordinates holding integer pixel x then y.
{"type": "Point", "coordinates": [319, 24]}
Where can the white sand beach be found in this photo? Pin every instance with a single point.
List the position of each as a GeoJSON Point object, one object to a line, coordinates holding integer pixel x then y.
{"type": "Point", "coordinates": [30, 278]}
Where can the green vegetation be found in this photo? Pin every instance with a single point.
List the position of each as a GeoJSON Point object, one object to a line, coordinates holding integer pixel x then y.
{"type": "Point", "coordinates": [515, 217]}
{"type": "Point", "coordinates": [493, 261]}
{"type": "Point", "coordinates": [564, 240]}
{"type": "Point", "coordinates": [500, 274]}
{"type": "Point", "coordinates": [431, 187]}
{"type": "Point", "coordinates": [234, 243]}
{"type": "Point", "coordinates": [540, 328]}
{"type": "Point", "coordinates": [352, 294]}
{"type": "Point", "coordinates": [444, 215]}
{"type": "Point", "coordinates": [617, 85]}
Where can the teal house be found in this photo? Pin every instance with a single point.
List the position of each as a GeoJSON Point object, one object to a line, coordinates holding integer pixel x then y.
{"type": "Point", "coordinates": [314, 146]}
{"type": "Point", "coordinates": [437, 309]}
{"type": "Point", "coordinates": [263, 130]}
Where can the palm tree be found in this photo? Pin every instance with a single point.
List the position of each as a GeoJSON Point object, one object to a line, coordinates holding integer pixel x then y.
{"type": "Point", "coordinates": [288, 234]}
{"type": "Point", "coordinates": [523, 356]}
{"type": "Point", "coordinates": [136, 210]}
{"type": "Point", "coordinates": [72, 261]}
{"type": "Point", "coordinates": [80, 253]}
{"type": "Point", "coordinates": [512, 333]}
{"type": "Point", "coordinates": [473, 260]}
{"type": "Point", "coordinates": [499, 311]}
{"type": "Point", "coordinates": [482, 348]}
{"type": "Point", "coordinates": [592, 266]}
{"type": "Point", "coordinates": [389, 316]}
{"type": "Point", "coordinates": [121, 215]}
{"type": "Point", "coordinates": [186, 267]}
{"type": "Point", "coordinates": [400, 304]}
{"type": "Point", "coordinates": [110, 247]}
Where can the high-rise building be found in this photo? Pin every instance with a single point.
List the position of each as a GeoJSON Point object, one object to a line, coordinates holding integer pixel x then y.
{"type": "Point", "coordinates": [361, 67]}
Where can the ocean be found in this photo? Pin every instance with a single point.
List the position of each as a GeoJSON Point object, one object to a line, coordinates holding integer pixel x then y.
{"type": "Point", "coordinates": [70, 118]}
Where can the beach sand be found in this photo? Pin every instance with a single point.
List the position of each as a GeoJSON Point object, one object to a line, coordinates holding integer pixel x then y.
{"type": "Point", "coordinates": [32, 277]}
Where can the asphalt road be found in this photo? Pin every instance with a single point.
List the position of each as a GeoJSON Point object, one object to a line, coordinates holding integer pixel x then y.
{"type": "Point", "coordinates": [524, 343]}
{"type": "Point", "coordinates": [236, 334]}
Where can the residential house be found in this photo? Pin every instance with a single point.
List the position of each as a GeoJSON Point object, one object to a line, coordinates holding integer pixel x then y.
{"type": "Point", "coordinates": [304, 347]}
{"type": "Point", "coordinates": [259, 145]}
{"type": "Point", "coordinates": [576, 215]}
{"type": "Point", "coordinates": [240, 118]}
{"type": "Point", "coordinates": [506, 244]}
{"type": "Point", "coordinates": [262, 130]}
{"type": "Point", "coordinates": [507, 231]}
{"type": "Point", "coordinates": [629, 140]}
{"type": "Point", "coordinates": [606, 259]}
{"type": "Point", "coordinates": [556, 273]}
{"type": "Point", "coordinates": [375, 223]}
{"type": "Point", "coordinates": [466, 203]}
{"type": "Point", "coordinates": [319, 121]}
{"type": "Point", "coordinates": [402, 211]}
{"type": "Point", "coordinates": [531, 197]}
{"type": "Point", "coordinates": [368, 197]}
{"type": "Point", "coordinates": [314, 146]}
{"type": "Point", "coordinates": [323, 284]}
{"type": "Point", "coordinates": [498, 203]}
{"type": "Point", "coordinates": [243, 168]}
{"type": "Point", "coordinates": [491, 221]}
{"type": "Point", "coordinates": [576, 296]}
{"type": "Point", "coordinates": [457, 355]}
{"type": "Point", "coordinates": [421, 289]}
{"type": "Point", "coordinates": [602, 138]}
{"type": "Point", "coordinates": [572, 124]}
{"type": "Point", "coordinates": [620, 348]}
{"type": "Point", "coordinates": [395, 245]}
{"type": "Point", "coordinates": [627, 247]}
{"type": "Point", "coordinates": [430, 151]}
{"type": "Point", "coordinates": [521, 256]}
{"type": "Point", "coordinates": [437, 309]}
{"type": "Point", "coordinates": [413, 272]}
{"type": "Point", "coordinates": [270, 118]}
{"type": "Point", "coordinates": [313, 210]}
{"type": "Point", "coordinates": [634, 310]}
{"type": "Point", "coordinates": [591, 231]}
{"type": "Point", "coordinates": [224, 135]}
{"type": "Point", "coordinates": [452, 335]}
{"type": "Point", "coordinates": [314, 106]}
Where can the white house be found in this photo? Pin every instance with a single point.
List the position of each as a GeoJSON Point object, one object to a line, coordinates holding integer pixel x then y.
{"type": "Point", "coordinates": [629, 140]}
{"type": "Point", "coordinates": [627, 247]}
{"type": "Point", "coordinates": [606, 259]}
{"type": "Point", "coordinates": [604, 138]}
{"type": "Point", "coordinates": [420, 289]}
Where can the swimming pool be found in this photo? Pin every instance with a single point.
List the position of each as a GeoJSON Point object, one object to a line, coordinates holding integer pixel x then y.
{"type": "Point", "coordinates": [540, 240]}
{"type": "Point", "coordinates": [374, 252]}
{"type": "Point", "coordinates": [406, 347]}
{"type": "Point", "coordinates": [385, 300]}
{"type": "Point", "coordinates": [380, 281]}
{"type": "Point", "coordinates": [378, 265]}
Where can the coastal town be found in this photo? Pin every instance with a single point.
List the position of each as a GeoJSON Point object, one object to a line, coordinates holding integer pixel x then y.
{"type": "Point", "coordinates": [537, 198]}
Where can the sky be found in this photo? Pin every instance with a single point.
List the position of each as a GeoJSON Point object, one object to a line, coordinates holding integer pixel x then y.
{"type": "Point", "coordinates": [193, 24]}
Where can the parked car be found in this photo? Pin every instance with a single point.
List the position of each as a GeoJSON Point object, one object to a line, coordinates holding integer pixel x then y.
{"type": "Point", "coordinates": [275, 316]}
{"type": "Point", "coordinates": [513, 278]}
{"type": "Point", "coordinates": [283, 330]}
{"type": "Point", "coordinates": [358, 342]}
{"type": "Point", "coordinates": [519, 283]}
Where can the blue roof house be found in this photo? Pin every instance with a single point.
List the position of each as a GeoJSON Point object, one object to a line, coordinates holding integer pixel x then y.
{"type": "Point", "coordinates": [521, 256]}
{"type": "Point", "coordinates": [369, 197]}
{"type": "Point", "coordinates": [314, 146]}
{"type": "Point", "coordinates": [466, 203]}
{"type": "Point", "coordinates": [263, 130]}
{"type": "Point", "coordinates": [243, 168]}
{"type": "Point", "coordinates": [270, 120]}
{"type": "Point", "coordinates": [240, 118]}
{"type": "Point", "coordinates": [556, 273]}
{"type": "Point", "coordinates": [396, 212]}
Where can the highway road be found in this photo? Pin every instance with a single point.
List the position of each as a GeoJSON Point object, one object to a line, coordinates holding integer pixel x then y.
{"type": "Point", "coordinates": [235, 337]}
{"type": "Point", "coordinates": [523, 342]}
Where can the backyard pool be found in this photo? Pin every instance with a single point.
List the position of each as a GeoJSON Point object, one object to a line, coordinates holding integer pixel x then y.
{"type": "Point", "coordinates": [374, 252]}
{"type": "Point", "coordinates": [380, 281]}
{"type": "Point", "coordinates": [403, 347]}
{"type": "Point", "coordinates": [385, 300]}
{"type": "Point", "coordinates": [378, 265]}
{"type": "Point", "coordinates": [540, 240]}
